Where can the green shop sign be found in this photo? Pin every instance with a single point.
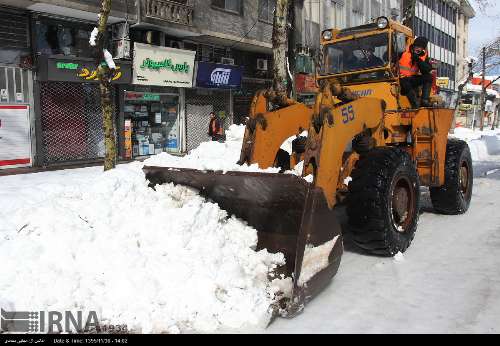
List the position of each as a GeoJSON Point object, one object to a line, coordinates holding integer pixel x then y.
{"type": "Point", "coordinates": [165, 65]}
{"type": "Point", "coordinates": [67, 66]}
{"type": "Point", "coordinates": [151, 97]}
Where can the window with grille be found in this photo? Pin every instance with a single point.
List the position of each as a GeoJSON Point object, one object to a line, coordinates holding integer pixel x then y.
{"type": "Point", "coordinates": [228, 5]}
{"type": "Point", "coordinates": [14, 31]}
{"type": "Point", "coordinates": [266, 10]}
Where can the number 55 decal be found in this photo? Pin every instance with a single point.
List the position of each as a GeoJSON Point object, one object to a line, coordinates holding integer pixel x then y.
{"type": "Point", "coordinates": [348, 114]}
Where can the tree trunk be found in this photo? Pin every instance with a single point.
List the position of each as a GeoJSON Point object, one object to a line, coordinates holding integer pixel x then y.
{"type": "Point", "coordinates": [409, 13]}
{"type": "Point", "coordinates": [292, 48]}
{"type": "Point", "coordinates": [280, 47]}
{"type": "Point", "coordinates": [105, 74]}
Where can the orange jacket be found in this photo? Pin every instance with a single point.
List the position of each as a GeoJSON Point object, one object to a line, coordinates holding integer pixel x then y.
{"type": "Point", "coordinates": [215, 128]}
{"type": "Point", "coordinates": [406, 66]}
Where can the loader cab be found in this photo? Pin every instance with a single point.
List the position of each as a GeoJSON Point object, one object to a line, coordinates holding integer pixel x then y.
{"type": "Point", "coordinates": [366, 58]}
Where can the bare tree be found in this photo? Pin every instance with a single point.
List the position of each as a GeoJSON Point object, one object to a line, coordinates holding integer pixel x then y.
{"type": "Point", "coordinates": [490, 59]}
{"type": "Point", "coordinates": [461, 88]}
{"type": "Point", "coordinates": [105, 71]}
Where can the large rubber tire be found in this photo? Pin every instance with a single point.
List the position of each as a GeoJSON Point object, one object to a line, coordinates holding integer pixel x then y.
{"type": "Point", "coordinates": [454, 197]}
{"type": "Point", "coordinates": [384, 201]}
{"type": "Point", "coordinates": [282, 161]}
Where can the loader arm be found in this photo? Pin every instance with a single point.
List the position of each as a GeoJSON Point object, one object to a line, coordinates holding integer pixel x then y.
{"type": "Point", "coordinates": [333, 128]}
{"type": "Point", "coordinates": [267, 130]}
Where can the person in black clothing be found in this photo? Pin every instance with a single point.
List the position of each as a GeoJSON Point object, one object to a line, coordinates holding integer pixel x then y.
{"type": "Point", "coordinates": [415, 69]}
{"type": "Point", "coordinates": [371, 60]}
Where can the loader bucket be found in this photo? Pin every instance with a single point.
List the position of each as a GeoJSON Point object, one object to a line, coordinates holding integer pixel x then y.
{"type": "Point", "coordinates": [290, 215]}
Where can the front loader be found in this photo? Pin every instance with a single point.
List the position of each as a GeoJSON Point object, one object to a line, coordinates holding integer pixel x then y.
{"type": "Point", "coordinates": [365, 148]}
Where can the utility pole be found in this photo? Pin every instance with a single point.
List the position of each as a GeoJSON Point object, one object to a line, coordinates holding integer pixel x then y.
{"type": "Point", "coordinates": [461, 87]}
{"type": "Point", "coordinates": [496, 118]}
{"type": "Point", "coordinates": [280, 47]}
{"type": "Point", "coordinates": [483, 91]}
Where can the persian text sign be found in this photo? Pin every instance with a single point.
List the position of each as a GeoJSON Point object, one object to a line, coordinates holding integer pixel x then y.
{"type": "Point", "coordinates": [162, 66]}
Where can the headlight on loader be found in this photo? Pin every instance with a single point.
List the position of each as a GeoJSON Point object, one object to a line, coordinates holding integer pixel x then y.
{"type": "Point", "coordinates": [327, 35]}
{"type": "Point", "coordinates": [382, 22]}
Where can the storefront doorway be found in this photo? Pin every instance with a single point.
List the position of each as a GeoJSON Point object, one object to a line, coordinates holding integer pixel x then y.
{"type": "Point", "coordinates": [15, 117]}
{"type": "Point", "coordinates": [154, 120]}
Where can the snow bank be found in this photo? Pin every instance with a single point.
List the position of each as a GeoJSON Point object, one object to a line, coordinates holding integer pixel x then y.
{"type": "Point", "coordinates": [212, 156]}
{"type": "Point", "coordinates": [483, 145]}
{"type": "Point", "coordinates": [158, 261]}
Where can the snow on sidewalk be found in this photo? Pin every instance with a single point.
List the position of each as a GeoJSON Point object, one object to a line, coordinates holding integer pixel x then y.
{"type": "Point", "coordinates": [158, 261]}
{"type": "Point", "coordinates": [484, 145]}
{"type": "Point", "coordinates": [212, 156]}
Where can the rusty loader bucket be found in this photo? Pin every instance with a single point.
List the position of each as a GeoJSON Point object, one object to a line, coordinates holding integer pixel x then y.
{"type": "Point", "coordinates": [290, 215]}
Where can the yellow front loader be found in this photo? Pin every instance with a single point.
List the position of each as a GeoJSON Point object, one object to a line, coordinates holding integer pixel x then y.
{"type": "Point", "coordinates": [365, 148]}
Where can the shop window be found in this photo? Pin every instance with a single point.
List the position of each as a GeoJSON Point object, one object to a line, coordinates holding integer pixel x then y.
{"type": "Point", "coordinates": [266, 10]}
{"type": "Point", "coordinates": [228, 5]}
{"type": "Point", "coordinates": [54, 38]}
{"type": "Point", "coordinates": [154, 123]}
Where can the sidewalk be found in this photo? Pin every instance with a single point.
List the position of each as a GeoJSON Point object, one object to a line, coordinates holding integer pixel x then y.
{"type": "Point", "coordinates": [64, 166]}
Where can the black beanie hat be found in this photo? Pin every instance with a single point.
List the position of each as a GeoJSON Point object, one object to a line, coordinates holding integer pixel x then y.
{"type": "Point", "coordinates": [421, 42]}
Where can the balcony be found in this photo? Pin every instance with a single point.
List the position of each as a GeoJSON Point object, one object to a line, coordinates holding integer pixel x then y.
{"type": "Point", "coordinates": [179, 12]}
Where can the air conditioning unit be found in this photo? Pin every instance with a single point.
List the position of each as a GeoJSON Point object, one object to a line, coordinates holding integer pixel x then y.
{"type": "Point", "coordinates": [122, 49]}
{"type": "Point", "coordinates": [227, 61]}
{"type": "Point", "coordinates": [262, 64]}
{"type": "Point", "coordinates": [121, 41]}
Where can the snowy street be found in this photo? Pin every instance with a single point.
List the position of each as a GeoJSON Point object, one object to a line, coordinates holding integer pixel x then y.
{"type": "Point", "coordinates": [447, 282]}
{"type": "Point", "coordinates": [169, 261]}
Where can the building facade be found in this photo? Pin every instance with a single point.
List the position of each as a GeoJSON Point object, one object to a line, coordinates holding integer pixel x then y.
{"type": "Point", "coordinates": [225, 47]}
{"type": "Point", "coordinates": [465, 14]}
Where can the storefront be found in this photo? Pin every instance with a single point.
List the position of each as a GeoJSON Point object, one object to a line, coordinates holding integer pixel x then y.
{"type": "Point", "coordinates": [154, 104]}
{"type": "Point", "coordinates": [69, 108]}
{"type": "Point", "coordinates": [215, 84]}
{"type": "Point", "coordinates": [152, 122]}
{"type": "Point", "coordinates": [16, 90]}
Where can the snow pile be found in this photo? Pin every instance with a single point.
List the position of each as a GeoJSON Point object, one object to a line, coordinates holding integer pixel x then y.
{"type": "Point", "coordinates": [483, 144]}
{"type": "Point", "coordinates": [212, 156]}
{"type": "Point", "coordinates": [109, 60]}
{"type": "Point", "coordinates": [93, 37]}
{"type": "Point", "coordinates": [315, 260]}
{"type": "Point", "coordinates": [158, 261]}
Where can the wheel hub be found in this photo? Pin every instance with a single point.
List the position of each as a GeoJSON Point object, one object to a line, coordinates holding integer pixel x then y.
{"type": "Point", "coordinates": [464, 178]}
{"type": "Point", "coordinates": [402, 204]}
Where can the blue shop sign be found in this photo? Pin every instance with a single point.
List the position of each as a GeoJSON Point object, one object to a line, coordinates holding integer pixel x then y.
{"type": "Point", "coordinates": [218, 76]}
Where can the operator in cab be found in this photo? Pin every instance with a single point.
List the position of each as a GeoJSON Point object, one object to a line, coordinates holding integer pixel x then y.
{"type": "Point", "coordinates": [370, 60]}
{"type": "Point", "coordinates": [415, 70]}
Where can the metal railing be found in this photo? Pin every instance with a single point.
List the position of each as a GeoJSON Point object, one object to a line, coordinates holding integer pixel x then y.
{"type": "Point", "coordinates": [170, 11]}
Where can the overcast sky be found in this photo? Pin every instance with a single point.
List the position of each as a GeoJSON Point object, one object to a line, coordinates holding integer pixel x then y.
{"type": "Point", "coordinates": [485, 26]}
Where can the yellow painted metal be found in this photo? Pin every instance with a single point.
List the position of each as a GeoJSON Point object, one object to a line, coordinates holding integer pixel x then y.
{"type": "Point", "coordinates": [270, 129]}
{"type": "Point", "coordinates": [341, 123]}
{"type": "Point", "coordinates": [381, 112]}
{"type": "Point", "coordinates": [281, 125]}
